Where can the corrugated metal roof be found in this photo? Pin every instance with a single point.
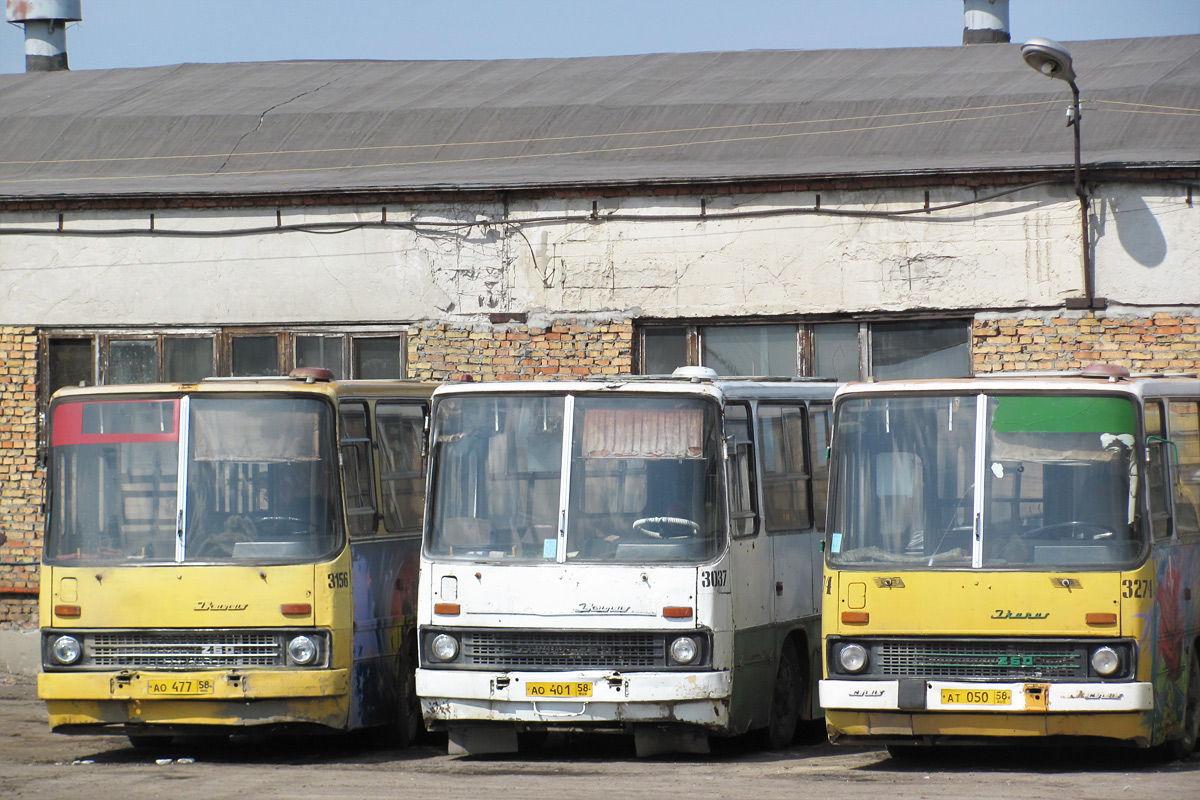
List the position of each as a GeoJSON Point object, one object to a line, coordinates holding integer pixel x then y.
{"type": "Point", "coordinates": [229, 129]}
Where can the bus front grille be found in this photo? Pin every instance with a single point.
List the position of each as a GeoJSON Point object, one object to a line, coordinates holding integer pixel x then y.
{"type": "Point", "coordinates": [994, 660]}
{"type": "Point", "coordinates": [502, 649]}
{"type": "Point", "coordinates": [186, 650]}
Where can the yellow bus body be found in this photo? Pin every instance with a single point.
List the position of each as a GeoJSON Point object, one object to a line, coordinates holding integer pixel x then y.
{"type": "Point", "coordinates": [190, 598]}
{"type": "Point", "coordinates": [361, 598]}
{"type": "Point", "coordinates": [938, 644]}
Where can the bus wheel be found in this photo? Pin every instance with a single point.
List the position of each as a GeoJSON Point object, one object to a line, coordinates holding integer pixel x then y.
{"type": "Point", "coordinates": [408, 713]}
{"type": "Point", "coordinates": [785, 700]}
{"type": "Point", "coordinates": [1183, 746]}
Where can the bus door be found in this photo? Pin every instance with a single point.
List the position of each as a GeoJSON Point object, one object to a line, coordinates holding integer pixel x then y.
{"type": "Point", "coordinates": [384, 511]}
{"type": "Point", "coordinates": [788, 513]}
{"type": "Point", "coordinates": [750, 577]}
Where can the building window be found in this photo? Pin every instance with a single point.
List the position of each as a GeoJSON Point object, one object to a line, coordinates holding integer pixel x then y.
{"type": "Point", "coordinates": [378, 356]}
{"type": "Point", "coordinates": [187, 359]}
{"type": "Point", "coordinates": [254, 356]}
{"type": "Point", "coordinates": [321, 351]}
{"type": "Point", "coordinates": [69, 362]}
{"type": "Point", "coordinates": [750, 349]}
{"type": "Point", "coordinates": [842, 351]}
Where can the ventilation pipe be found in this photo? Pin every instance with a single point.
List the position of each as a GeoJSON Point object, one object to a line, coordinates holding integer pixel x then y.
{"type": "Point", "coordinates": [985, 21]}
{"type": "Point", "coordinates": [45, 24]}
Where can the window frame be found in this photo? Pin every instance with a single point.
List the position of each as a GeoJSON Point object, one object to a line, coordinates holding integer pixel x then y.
{"type": "Point", "coordinates": [806, 333]}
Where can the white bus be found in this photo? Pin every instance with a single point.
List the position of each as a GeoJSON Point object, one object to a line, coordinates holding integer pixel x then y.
{"type": "Point", "coordinates": [638, 555]}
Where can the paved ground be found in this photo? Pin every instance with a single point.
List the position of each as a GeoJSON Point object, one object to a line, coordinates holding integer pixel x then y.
{"type": "Point", "coordinates": [35, 763]}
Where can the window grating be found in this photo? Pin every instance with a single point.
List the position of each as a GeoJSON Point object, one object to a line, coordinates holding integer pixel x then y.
{"type": "Point", "coordinates": [562, 650]}
{"type": "Point", "coordinates": [185, 650]}
{"type": "Point", "coordinates": [1000, 660]}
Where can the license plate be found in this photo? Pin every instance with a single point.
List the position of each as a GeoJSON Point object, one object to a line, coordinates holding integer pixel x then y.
{"type": "Point", "coordinates": [558, 689]}
{"type": "Point", "coordinates": [976, 697]}
{"type": "Point", "coordinates": [180, 688]}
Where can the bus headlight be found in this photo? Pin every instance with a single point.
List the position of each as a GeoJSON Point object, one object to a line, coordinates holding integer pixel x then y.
{"type": "Point", "coordinates": [302, 650]}
{"type": "Point", "coordinates": [1105, 661]}
{"type": "Point", "coordinates": [684, 650]}
{"type": "Point", "coordinates": [66, 649]}
{"type": "Point", "coordinates": [852, 657]}
{"type": "Point", "coordinates": [445, 647]}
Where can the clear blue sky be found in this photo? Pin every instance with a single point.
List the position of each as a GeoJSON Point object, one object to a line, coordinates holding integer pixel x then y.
{"type": "Point", "coordinates": [139, 33]}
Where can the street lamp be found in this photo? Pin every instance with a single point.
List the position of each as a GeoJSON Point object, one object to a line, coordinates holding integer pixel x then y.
{"type": "Point", "coordinates": [1053, 60]}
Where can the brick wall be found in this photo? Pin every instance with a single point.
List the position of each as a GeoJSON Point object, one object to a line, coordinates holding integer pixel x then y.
{"type": "Point", "coordinates": [565, 349]}
{"type": "Point", "coordinates": [21, 480]}
{"type": "Point", "coordinates": [1162, 342]}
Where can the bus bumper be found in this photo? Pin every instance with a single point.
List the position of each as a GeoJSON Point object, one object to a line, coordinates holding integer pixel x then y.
{"type": "Point", "coordinates": [902, 711]}
{"type": "Point", "coordinates": [618, 699]}
{"type": "Point", "coordinates": [94, 702]}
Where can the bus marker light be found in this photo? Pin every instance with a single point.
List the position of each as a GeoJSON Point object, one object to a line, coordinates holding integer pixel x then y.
{"type": "Point", "coordinates": [858, 617]}
{"type": "Point", "coordinates": [296, 608]}
{"type": "Point", "coordinates": [677, 612]}
{"type": "Point", "coordinates": [66, 611]}
{"type": "Point", "coordinates": [1101, 618]}
{"type": "Point", "coordinates": [449, 609]}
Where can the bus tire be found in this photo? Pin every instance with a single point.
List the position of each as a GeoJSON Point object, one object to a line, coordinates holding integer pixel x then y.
{"type": "Point", "coordinates": [406, 728]}
{"type": "Point", "coordinates": [1182, 747]}
{"type": "Point", "coordinates": [785, 700]}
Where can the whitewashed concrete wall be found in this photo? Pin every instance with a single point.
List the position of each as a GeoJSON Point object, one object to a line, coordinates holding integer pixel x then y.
{"type": "Point", "coordinates": [1017, 251]}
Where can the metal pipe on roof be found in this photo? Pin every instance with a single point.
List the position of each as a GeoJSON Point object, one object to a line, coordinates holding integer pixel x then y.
{"type": "Point", "coordinates": [985, 21]}
{"type": "Point", "coordinates": [45, 24]}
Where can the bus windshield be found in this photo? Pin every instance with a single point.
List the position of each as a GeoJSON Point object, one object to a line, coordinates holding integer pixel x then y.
{"type": "Point", "coordinates": [642, 480]}
{"type": "Point", "coordinates": [260, 480]}
{"type": "Point", "coordinates": [1052, 483]}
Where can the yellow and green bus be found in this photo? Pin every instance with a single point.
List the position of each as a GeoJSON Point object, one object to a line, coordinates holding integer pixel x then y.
{"type": "Point", "coordinates": [232, 556]}
{"type": "Point", "coordinates": [1013, 559]}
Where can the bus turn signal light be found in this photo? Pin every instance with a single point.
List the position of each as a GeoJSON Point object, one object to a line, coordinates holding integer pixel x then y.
{"type": "Point", "coordinates": [677, 612]}
{"type": "Point", "coordinates": [1101, 618]}
{"type": "Point", "coordinates": [449, 609]}
{"type": "Point", "coordinates": [855, 616]}
{"type": "Point", "coordinates": [296, 608]}
{"type": "Point", "coordinates": [66, 611]}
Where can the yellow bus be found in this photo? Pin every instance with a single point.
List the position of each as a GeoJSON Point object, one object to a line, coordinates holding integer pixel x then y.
{"type": "Point", "coordinates": [1011, 559]}
{"type": "Point", "coordinates": [236, 555]}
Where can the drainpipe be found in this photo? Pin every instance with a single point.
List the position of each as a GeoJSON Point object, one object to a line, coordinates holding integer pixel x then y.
{"type": "Point", "coordinates": [45, 24]}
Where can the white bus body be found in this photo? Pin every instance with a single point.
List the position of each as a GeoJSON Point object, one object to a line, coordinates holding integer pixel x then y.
{"type": "Point", "coordinates": [639, 555]}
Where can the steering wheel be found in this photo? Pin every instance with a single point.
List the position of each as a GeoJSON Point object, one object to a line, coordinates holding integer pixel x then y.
{"type": "Point", "coordinates": [1074, 529]}
{"type": "Point", "coordinates": [642, 526]}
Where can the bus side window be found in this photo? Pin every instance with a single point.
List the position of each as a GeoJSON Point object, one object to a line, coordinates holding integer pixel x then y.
{"type": "Point", "coordinates": [358, 479]}
{"type": "Point", "coordinates": [818, 442]}
{"type": "Point", "coordinates": [1183, 429]}
{"type": "Point", "coordinates": [786, 477]}
{"type": "Point", "coordinates": [743, 489]}
{"type": "Point", "coordinates": [1159, 451]}
{"type": "Point", "coordinates": [401, 431]}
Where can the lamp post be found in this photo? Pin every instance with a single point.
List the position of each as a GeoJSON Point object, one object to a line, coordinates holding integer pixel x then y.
{"type": "Point", "coordinates": [1053, 60]}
